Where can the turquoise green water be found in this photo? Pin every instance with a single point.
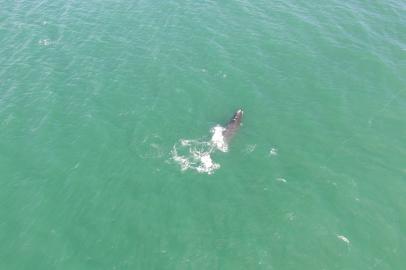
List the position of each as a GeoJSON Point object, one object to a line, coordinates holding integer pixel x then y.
{"type": "Point", "coordinates": [95, 95]}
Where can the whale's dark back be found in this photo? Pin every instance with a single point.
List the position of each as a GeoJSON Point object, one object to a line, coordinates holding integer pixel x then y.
{"type": "Point", "coordinates": [233, 125]}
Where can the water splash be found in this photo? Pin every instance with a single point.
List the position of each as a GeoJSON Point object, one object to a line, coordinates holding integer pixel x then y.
{"type": "Point", "coordinates": [217, 138]}
{"type": "Point", "coordinates": [196, 154]}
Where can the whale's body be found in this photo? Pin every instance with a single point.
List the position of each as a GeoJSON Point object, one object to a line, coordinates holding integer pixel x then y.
{"type": "Point", "coordinates": [233, 125]}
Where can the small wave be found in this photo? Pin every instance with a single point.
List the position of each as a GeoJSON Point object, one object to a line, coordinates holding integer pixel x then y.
{"type": "Point", "coordinates": [273, 152]}
{"type": "Point", "coordinates": [44, 42]}
{"type": "Point", "coordinates": [150, 147]}
{"type": "Point", "coordinates": [280, 179]}
{"type": "Point", "coordinates": [250, 148]}
{"type": "Point", "coordinates": [343, 238]}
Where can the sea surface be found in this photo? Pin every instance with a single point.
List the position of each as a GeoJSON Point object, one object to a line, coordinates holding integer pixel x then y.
{"type": "Point", "coordinates": [108, 111]}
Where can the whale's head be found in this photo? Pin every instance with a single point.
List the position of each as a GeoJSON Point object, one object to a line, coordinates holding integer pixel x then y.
{"type": "Point", "coordinates": [237, 118]}
{"type": "Point", "coordinates": [233, 125]}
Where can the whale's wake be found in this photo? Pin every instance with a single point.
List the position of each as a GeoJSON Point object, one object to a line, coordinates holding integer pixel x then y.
{"type": "Point", "coordinates": [196, 154]}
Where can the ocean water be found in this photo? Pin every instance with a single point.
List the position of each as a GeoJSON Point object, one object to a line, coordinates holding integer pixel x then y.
{"type": "Point", "coordinates": [106, 113]}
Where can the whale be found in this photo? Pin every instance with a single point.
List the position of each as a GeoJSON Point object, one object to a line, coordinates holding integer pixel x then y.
{"type": "Point", "coordinates": [233, 125]}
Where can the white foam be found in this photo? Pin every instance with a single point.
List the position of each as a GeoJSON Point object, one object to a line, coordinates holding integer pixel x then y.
{"type": "Point", "coordinates": [280, 179]}
{"type": "Point", "coordinates": [185, 142]}
{"type": "Point", "coordinates": [343, 238]}
{"type": "Point", "coordinates": [273, 152]}
{"type": "Point", "coordinates": [196, 154]}
{"type": "Point", "coordinates": [182, 161]}
{"type": "Point", "coordinates": [206, 164]}
{"type": "Point", "coordinates": [217, 138]}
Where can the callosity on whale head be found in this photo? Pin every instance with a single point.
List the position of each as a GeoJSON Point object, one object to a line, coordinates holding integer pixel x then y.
{"type": "Point", "coordinates": [238, 116]}
{"type": "Point", "coordinates": [233, 125]}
